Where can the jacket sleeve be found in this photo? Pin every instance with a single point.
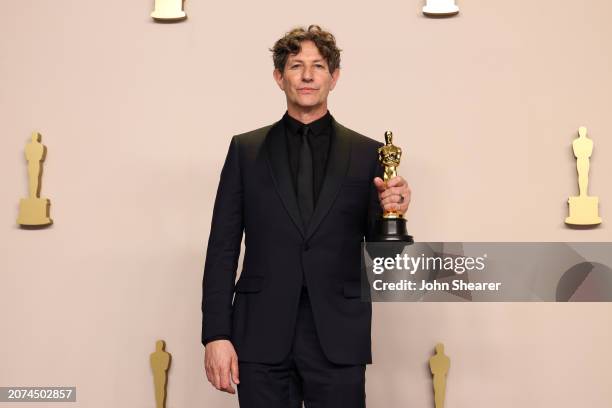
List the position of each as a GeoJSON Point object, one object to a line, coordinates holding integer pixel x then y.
{"type": "Point", "coordinates": [223, 250]}
{"type": "Point", "coordinates": [374, 208]}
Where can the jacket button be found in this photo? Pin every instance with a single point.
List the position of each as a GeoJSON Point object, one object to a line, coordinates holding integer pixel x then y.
{"type": "Point", "coordinates": [306, 246]}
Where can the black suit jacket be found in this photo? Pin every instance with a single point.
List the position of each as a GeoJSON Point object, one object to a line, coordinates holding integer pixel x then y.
{"type": "Point", "coordinates": [256, 196]}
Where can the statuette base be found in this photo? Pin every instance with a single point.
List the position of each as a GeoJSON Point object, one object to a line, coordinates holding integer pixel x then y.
{"type": "Point", "coordinates": [168, 10]}
{"type": "Point", "coordinates": [391, 230]}
{"type": "Point", "coordinates": [34, 212]}
{"type": "Point", "coordinates": [162, 15]}
{"type": "Point", "coordinates": [441, 11]}
{"type": "Point", "coordinates": [583, 211]}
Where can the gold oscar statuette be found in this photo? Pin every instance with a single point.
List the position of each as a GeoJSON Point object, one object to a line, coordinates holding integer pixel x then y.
{"type": "Point", "coordinates": [439, 365]}
{"type": "Point", "coordinates": [160, 362]}
{"type": "Point", "coordinates": [168, 10]}
{"type": "Point", "coordinates": [392, 226]}
{"type": "Point", "coordinates": [34, 211]}
{"type": "Point", "coordinates": [583, 210]}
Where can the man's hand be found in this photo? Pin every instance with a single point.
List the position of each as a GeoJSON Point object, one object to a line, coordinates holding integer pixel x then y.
{"type": "Point", "coordinates": [221, 360]}
{"type": "Point", "coordinates": [395, 196]}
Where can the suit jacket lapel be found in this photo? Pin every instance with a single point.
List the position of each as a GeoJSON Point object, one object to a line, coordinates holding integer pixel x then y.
{"type": "Point", "coordinates": [276, 149]}
{"type": "Point", "coordinates": [337, 166]}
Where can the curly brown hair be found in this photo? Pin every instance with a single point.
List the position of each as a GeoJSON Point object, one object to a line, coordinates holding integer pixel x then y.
{"type": "Point", "coordinates": [290, 44]}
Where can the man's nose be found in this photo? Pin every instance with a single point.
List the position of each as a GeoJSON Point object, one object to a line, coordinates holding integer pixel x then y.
{"type": "Point", "coordinates": [307, 74]}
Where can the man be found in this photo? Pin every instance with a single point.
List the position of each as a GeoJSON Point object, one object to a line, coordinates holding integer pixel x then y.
{"type": "Point", "coordinates": [305, 193]}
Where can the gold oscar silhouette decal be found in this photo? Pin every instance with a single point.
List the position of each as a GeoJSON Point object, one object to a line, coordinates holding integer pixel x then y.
{"type": "Point", "coordinates": [160, 362]}
{"type": "Point", "coordinates": [168, 10]}
{"type": "Point", "coordinates": [439, 365]}
{"type": "Point", "coordinates": [583, 209]}
{"type": "Point", "coordinates": [34, 211]}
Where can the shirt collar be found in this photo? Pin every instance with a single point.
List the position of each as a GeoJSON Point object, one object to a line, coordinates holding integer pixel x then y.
{"type": "Point", "coordinates": [316, 127]}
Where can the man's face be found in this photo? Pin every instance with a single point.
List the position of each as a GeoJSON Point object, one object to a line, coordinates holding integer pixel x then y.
{"type": "Point", "coordinates": [306, 79]}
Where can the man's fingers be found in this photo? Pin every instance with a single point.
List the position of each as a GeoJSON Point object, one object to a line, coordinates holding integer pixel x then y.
{"type": "Point", "coordinates": [396, 181]}
{"type": "Point", "coordinates": [391, 206]}
{"type": "Point", "coordinates": [221, 364]}
{"type": "Point", "coordinates": [397, 207]}
{"type": "Point", "coordinates": [234, 370]}
{"type": "Point", "coordinates": [395, 199]}
{"type": "Point", "coordinates": [226, 384]}
{"type": "Point", "coordinates": [389, 200]}
{"type": "Point", "coordinates": [225, 380]}
{"type": "Point", "coordinates": [209, 375]}
{"type": "Point", "coordinates": [229, 389]}
{"type": "Point", "coordinates": [217, 379]}
{"type": "Point", "coordinates": [379, 184]}
{"type": "Point", "coordinates": [391, 191]}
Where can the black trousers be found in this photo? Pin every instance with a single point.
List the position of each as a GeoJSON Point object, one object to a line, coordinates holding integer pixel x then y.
{"type": "Point", "coordinates": [305, 375]}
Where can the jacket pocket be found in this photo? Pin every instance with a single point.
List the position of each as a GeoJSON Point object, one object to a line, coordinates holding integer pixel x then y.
{"type": "Point", "coordinates": [249, 284]}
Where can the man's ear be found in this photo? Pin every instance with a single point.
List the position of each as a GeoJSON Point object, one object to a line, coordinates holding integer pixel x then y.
{"type": "Point", "coordinates": [278, 77]}
{"type": "Point", "coordinates": [335, 75]}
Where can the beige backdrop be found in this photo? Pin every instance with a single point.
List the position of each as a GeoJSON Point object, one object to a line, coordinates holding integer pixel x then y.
{"type": "Point", "coordinates": [137, 118]}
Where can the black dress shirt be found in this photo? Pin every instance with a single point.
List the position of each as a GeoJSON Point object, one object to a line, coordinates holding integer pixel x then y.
{"type": "Point", "coordinates": [320, 135]}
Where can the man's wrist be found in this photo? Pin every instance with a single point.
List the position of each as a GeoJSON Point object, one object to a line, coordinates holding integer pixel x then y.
{"type": "Point", "coordinates": [213, 338]}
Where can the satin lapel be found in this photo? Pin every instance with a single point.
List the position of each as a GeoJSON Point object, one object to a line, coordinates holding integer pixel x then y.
{"type": "Point", "coordinates": [277, 157]}
{"type": "Point", "coordinates": [337, 166]}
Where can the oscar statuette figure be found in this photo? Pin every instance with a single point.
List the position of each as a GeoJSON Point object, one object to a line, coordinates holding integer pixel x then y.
{"type": "Point", "coordinates": [392, 226]}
